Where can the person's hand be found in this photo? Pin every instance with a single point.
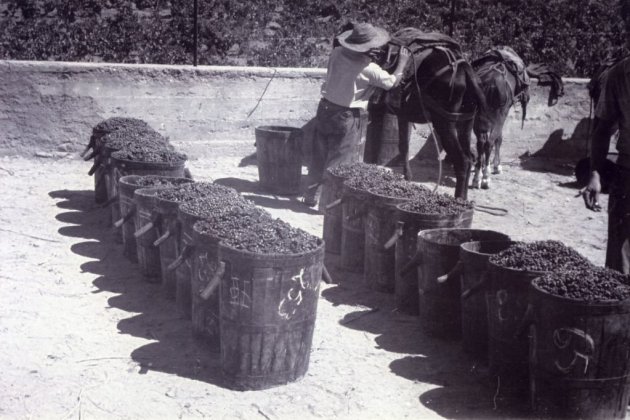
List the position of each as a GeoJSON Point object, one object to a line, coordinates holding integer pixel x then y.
{"type": "Point", "coordinates": [403, 59]}
{"type": "Point", "coordinates": [591, 192]}
{"type": "Point", "coordinates": [404, 54]}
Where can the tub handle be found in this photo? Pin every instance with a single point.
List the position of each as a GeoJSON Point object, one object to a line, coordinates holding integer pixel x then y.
{"type": "Point", "coordinates": [213, 283]}
{"type": "Point", "coordinates": [183, 256]}
{"type": "Point", "coordinates": [94, 167]}
{"type": "Point", "coordinates": [454, 273]}
{"type": "Point", "coordinates": [88, 147]}
{"type": "Point", "coordinates": [528, 319]}
{"type": "Point", "coordinates": [334, 204]}
{"type": "Point", "coordinates": [476, 287]}
{"type": "Point", "coordinates": [90, 156]}
{"type": "Point", "coordinates": [162, 238]}
{"type": "Point", "coordinates": [326, 276]}
{"type": "Point", "coordinates": [397, 234]}
{"type": "Point", "coordinates": [413, 263]}
{"type": "Point", "coordinates": [110, 201]}
{"type": "Point", "coordinates": [125, 218]}
{"type": "Point", "coordinates": [144, 229]}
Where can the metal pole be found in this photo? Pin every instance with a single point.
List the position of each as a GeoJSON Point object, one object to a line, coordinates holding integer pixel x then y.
{"type": "Point", "coordinates": [451, 26]}
{"type": "Point", "coordinates": [196, 32]}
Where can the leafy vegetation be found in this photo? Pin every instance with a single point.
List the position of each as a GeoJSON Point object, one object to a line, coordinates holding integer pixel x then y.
{"type": "Point", "coordinates": [571, 35]}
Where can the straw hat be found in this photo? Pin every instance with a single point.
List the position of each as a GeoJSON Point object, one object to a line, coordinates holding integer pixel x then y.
{"type": "Point", "coordinates": [363, 37]}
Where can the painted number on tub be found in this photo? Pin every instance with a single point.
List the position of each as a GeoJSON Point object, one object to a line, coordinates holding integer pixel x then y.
{"type": "Point", "coordinates": [238, 295]}
{"type": "Point", "coordinates": [300, 283]}
{"type": "Point", "coordinates": [579, 343]}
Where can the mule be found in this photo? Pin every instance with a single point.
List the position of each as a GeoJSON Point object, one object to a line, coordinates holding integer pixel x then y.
{"type": "Point", "coordinates": [440, 88]}
{"type": "Point", "coordinates": [505, 82]}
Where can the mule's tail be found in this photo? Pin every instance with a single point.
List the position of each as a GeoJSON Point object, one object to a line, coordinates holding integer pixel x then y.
{"type": "Point", "coordinates": [473, 85]}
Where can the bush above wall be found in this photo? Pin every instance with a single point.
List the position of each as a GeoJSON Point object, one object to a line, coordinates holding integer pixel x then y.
{"type": "Point", "coordinates": [571, 35]}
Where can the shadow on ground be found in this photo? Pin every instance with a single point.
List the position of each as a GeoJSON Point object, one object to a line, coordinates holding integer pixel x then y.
{"type": "Point", "coordinates": [464, 388]}
{"type": "Point", "coordinates": [173, 348]}
{"type": "Point", "coordinates": [428, 170]}
{"type": "Point", "coordinates": [251, 190]}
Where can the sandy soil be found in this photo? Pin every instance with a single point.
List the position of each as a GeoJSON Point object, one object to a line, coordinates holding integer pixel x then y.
{"type": "Point", "coordinates": [84, 336]}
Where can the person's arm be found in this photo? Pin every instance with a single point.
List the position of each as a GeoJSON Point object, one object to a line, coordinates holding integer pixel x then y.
{"type": "Point", "coordinates": [607, 113]}
{"type": "Point", "coordinates": [600, 142]}
{"type": "Point", "coordinates": [402, 63]}
{"type": "Point", "coordinates": [384, 80]}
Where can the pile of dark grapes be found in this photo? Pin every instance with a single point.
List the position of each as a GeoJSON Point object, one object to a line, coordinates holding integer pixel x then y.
{"type": "Point", "coordinates": [437, 203]}
{"type": "Point", "coordinates": [254, 230]}
{"type": "Point", "coordinates": [158, 181]}
{"type": "Point", "coordinates": [110, 125]}
{"type": "Point", "coordinates": [221, 200]}
{"type": "Point", "coordinates": [121, 139]}
{"type": "Point", "coordinates": [117, 123]}
{"type": "Point", "coordinates": [194, 190]}
{"type": "Point", "coordinates": [142, 151]}
{"type": "Point", "coordinates": [540, 256]}
{"type": "Point", "coordinates": [380, 181]}
{"type": "Point", "coordinates": [596, 284]}
{"type": "Point", "coordinates": [349, 170]}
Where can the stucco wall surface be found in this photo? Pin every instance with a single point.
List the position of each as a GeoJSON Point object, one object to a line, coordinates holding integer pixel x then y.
{"type": "Point", "coordinates": [51, 107]}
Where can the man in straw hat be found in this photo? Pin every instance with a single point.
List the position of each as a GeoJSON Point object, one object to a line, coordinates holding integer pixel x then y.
{"type": "Point", "coordinates": [341, 117]}
{"type": "Point", "coordinates": [613, 107]}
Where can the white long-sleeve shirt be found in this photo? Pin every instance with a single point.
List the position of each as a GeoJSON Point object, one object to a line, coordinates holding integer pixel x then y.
{"type": "Point", "coordinates": [352, 78]}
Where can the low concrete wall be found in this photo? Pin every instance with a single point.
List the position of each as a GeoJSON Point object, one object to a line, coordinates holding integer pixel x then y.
{"type": "Point", "coordinates": [51, 106]}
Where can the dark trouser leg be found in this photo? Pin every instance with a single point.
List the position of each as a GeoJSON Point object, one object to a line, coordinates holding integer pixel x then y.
{"type": "Point", "coordinates": [338, 133]}
{"type": "Point", "coordinates": [618, 247]}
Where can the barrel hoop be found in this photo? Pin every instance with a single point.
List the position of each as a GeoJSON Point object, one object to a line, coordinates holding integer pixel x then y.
{"type": "Point", "coordinates": [577, 382]}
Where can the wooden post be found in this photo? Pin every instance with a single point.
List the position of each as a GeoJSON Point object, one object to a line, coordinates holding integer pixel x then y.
{"type": "Point", "coordinates": [451, 26]}
{"type": "Point", "coordinates": [195, 32]}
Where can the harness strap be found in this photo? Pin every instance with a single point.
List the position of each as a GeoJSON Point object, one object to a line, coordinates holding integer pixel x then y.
{"type": "Point", "coordinates": [435, 107]}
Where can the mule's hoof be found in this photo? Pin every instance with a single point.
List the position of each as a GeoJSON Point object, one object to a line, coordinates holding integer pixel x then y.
{"type": "Point", "coordinates": [497, 170]}
{"type": "Point", "coordinates": [485, 184]}
{"type": "Point", "coordinates": [476, 183]}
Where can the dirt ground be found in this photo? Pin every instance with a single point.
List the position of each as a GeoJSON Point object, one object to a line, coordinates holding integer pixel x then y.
{"type": "Point", "coordinates": [85, 336]}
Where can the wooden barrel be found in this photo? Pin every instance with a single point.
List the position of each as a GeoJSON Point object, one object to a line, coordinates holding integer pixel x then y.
{"type": "Point", "coordinates": [474, 280]}
{"type": "Point", "coordinates": [439, 301]}
{"type": "Point", "coordinates": [122, 167]}
{"type": "Point", "coordinates": [169, 244]}
{"type": "Point", "coordinates": [279, 156]}
{"type": "Point", "coordinates": [183, 271]}
{"type": "Point", "coordinates": [382, 138]}
{"type": "Point", "coordinates": [507, 301]}
{"type": "Point", "coordinates": [578, 357]}
{"type": "Point", "coordinates": [128, 184]}
{"type": "Point", "coordinates": [379, 269]}
{"type": "Point", "coordinates": [268, 310]}
{"type": "Point", "coordinates": [204, 288]}
{"type": "Point", "coordinates": [354, 209]}
{"type": "Point", "coordinates": [146, 232]}
{"type": "Point", "coordinates": [332, 190]}
{"type": "Point", "coordinates": [406, 284]}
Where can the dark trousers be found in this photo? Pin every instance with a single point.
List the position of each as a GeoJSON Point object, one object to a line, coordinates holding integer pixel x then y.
{"type": "Point", "coordinates": [339, 138]}
{"type": "Point", "coordinates": [618, 247]}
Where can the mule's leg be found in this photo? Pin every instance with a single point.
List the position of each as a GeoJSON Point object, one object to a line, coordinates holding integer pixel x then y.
{"type": "Point", "coordinates": [464, 139]}
{"type": "Point", "coordinates": [497, 156]}
{"type": "Point", "coordinates": [476, 182]}
{"type": "Point", "coordinates": [403, 146]}
{"type": "Point", "coordinates": [447, 134]}
{"type": "Point", "coordinates": [485, 182]}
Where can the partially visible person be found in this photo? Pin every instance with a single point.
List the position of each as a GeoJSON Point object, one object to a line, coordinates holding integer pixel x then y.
{"type": "Point", "coordinates": [341, 117]}
{"type": "Point", "coordinates": [613, 107]}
